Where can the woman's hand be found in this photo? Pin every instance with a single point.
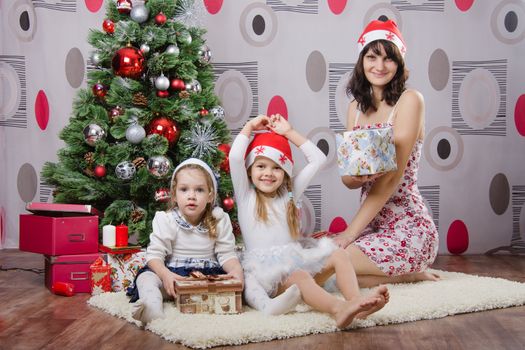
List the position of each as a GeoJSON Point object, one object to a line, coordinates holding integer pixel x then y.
{"type": "Point", "coordinates": [358, 181]}
{"type": "Point", "coordinates": [343, 240]}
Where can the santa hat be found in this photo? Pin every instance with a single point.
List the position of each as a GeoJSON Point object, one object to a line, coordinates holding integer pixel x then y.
{"type": "Point", "coordinates": [273, 146]}
{"type": "Point", "coordinates": [379, 30]}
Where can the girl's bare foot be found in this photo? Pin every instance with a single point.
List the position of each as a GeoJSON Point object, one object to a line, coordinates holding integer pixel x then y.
{"type": "Point", "coordinates": [383, 295]}
{"type": "Point", "coordinates": [346, 312]}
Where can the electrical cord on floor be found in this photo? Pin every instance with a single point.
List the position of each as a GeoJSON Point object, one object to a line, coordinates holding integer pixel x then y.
{"type": "Point", "coordinates": [34, 270]}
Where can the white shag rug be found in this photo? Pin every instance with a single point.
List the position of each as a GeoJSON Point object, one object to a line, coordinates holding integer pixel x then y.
{"type": "Point", "coordinates": [456, 293]}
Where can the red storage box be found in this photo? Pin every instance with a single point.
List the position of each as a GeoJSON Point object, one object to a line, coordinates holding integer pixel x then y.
{"type": "Point", "coordinates": [73, 269]}
{"type": "Point", "coordinates": [52, 231]}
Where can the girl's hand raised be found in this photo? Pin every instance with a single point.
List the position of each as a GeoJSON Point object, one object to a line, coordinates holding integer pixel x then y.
{"type": "Point", "coordinates": [260, 122]}
{"type": "Point", "coordinates": [279, 124]}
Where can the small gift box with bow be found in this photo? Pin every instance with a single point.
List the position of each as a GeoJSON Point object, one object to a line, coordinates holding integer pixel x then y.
{"type": "Point", "coordinates": [212, 294]}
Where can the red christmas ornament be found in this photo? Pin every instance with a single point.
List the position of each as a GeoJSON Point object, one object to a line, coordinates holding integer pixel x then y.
{"type": "Point", "coordinates": [162, 195]}
{"type": "Point", "coordinates": [178, 84]}
{"type": "Point", "coordinates": [100, 171]}
{"type": "Point", "coordinates": [203, 112]}
{"type": "Point", "coordinates": [99, 90]}
{"type": "Point", "coordinates": [228, 203]}
{"type": "Point", "coordinates": [114, 113]}
{"type": "Point", "coordinates": [124, 6]}
{"type": "Point", "coordinates": [128, 62]}
{"type": "Point", "coordinates": [165, 127]}
{"type": "Point", "coordinates": [160, 18]}
{"type": "Point", "coordinates": [225, 164]}
{"type": "Point", "coordinates": [108, 26]}
{"type": "Point", "coordinates": [163, 93]}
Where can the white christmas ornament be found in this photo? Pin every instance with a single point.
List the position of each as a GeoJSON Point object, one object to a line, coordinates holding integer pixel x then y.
{"type": "Point", "coordinates": [135, 134]}
{"type": "Point", "coordinates": [125, 170]}
{"type": "Point", "coordinates": [162, 83]}
{"type": "Point", "coordinates": [139, 13]}
{"type": "Point", "coordinates": [173, 50]}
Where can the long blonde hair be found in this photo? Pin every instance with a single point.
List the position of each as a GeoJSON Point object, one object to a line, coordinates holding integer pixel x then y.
{"type": "Point", "coordinates": [208, 219]}
{"type": "Point", "coordinates": [292, 213]}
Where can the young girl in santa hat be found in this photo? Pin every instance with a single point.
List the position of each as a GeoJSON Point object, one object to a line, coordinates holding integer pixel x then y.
{"type": "Point", "coordinates": [193, 235]}
{"type": "Point", "coordinates": [275, 263]}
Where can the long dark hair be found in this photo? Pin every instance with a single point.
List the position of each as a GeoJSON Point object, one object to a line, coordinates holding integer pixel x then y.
{"type": "Point", "coordinates": [359, 86]}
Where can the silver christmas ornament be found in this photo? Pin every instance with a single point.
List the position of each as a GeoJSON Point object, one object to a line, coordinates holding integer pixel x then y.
{"type": "Point", "coordinates": [217, 112]}
{"type": "Point", "coordinates": [93, 133]}
{"type": "Point", "coordinates": [95, 58]}
{"type": "Point", "coordinates": [162, 83]}
{"type": "Point", "coordinates": [125, 170]}
{"type": "Point", "coordinates": [135, 134]}
{"type": "Point", "coordinates": [194, 86]}
{"type": "Point", "coordinates": [173, 50]}
{"type": "Point", "coordinates": [139, 13]}
{"type": "Point", "coordinates": [204, 54]}
{"type": "Point", "coordinates": [144, 48]}
{"type": "Point", "coordinates": [185, 37]}
{"type": "Point", "coordinates": [159, 166]}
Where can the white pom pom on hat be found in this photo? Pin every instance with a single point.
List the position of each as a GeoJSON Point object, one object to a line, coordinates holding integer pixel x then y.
{"type": "Point", "coordinates": [218, 213]}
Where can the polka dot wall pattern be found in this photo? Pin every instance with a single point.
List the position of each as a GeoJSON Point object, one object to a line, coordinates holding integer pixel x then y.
{"type": "Point", "coordinates": [519, 115]}
{"type": "Point", "coordinates": [295, 57]}
{"type": "Point", "coordinates": [41, 110]}
{"type": "Point", "coordinates": [27, 182]}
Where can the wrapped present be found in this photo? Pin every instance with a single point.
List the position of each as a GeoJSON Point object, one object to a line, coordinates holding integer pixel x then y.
{"type": "Point", "coordinates": [100, 277]}
{"type": "Point", "coordinates": [211, 294]}
{"type": "Point", "coordinates": [366, 151]}
{"type": "Point", "coordinates": [124, 268]}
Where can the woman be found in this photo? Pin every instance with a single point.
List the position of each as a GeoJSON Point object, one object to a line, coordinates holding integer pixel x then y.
{"type": "Point", "coordinates": [392, 238]}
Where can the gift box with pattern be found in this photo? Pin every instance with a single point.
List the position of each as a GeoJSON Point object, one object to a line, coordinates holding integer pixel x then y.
{"type": "Point", "coordinates": [124, 268]}
{"type": "Point", "coordinates": [366, 151]}
{"type": "Point", "coordinates": [100, 276]}
{"type": "Point", "coordinates": [207, 296]}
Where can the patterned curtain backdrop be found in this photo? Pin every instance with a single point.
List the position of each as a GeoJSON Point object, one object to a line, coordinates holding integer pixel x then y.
{"type": "Point", "coordinates": [295, 57]}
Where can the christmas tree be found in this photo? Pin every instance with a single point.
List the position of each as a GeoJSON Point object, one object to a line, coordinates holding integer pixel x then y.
{"type": "Point", "coordinates": [149, 104]}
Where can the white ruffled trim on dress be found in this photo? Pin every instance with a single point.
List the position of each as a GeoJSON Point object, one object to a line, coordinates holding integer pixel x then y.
{"type": "Point", "coordinates": [272, 266]}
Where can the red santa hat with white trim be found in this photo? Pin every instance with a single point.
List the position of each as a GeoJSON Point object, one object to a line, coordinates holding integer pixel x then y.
{"type": "Point", "coordinates": [273, 146]}
{"type": "Point", "coordinates": [382, 30]}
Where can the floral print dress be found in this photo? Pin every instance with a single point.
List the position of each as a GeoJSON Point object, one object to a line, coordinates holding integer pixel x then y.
{"type": "Point", "coordinates": [402, 238]}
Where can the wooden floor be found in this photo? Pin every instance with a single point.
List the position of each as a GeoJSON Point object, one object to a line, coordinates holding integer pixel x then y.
{"type": "Point", "coordinates": [33, 318]}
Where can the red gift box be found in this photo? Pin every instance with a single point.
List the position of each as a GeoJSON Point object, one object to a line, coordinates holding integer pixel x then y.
{"type": "Point", "coordinates": [57, 229]}
{"type": "Point", "coordinates": [100, 277]}
{"type": "Point", "coordinates": [73, 269]}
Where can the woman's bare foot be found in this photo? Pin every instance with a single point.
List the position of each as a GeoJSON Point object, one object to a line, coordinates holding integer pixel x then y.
{"type": "Point", "coordinates": [423, 276]}
{"type": "Point", "coordinates": [349, 309]}
{"type": "Point", "coordinates": [383, 295]}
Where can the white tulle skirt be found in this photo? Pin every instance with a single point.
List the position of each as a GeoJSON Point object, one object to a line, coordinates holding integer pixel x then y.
{"type": "Point", "coordinates": [272, 266]}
